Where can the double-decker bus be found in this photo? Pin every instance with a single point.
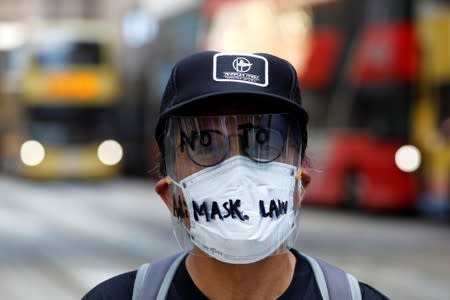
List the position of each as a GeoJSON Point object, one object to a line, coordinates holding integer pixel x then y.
{"type": "Point", "coordinates": [361, 72]}
{"type": "Point", "coordinates": [70, 95]}
{"type": "Point", "coordinates": [362, 84]}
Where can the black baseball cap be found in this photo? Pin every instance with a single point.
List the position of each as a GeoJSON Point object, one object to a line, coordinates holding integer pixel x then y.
{"type": "Point", "coordinates": [211, 79]}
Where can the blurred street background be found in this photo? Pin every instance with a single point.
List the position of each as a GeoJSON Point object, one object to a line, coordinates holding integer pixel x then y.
{"type": "Point", "coordinates": [58, 240]}
{"type": "Point", "coordinates": [80, 88]}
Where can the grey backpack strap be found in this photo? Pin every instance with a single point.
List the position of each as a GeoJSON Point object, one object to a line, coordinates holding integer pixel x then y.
{"type": "Point", "coordinates": [333, 283]}
{"type": "Point", "coordinates": [153, 279]}
{"type": "Point", "coordinates": [354, 286]}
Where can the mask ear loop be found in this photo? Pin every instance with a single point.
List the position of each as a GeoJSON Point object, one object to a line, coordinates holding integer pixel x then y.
{"type": "Point", "coordinates": [298, 176]}
{"type": "Point", "coordinates": [169, 180]}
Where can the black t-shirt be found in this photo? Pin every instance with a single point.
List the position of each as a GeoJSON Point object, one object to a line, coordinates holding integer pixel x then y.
{"type": "Point", "coordinates": [302, 287]}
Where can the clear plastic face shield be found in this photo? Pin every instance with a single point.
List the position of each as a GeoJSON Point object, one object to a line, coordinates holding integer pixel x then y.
{"type": "Point", "coordinates": [236, 184]}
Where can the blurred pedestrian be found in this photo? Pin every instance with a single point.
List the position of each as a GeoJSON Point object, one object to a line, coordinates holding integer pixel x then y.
{"type": "Point", "coordinates": [232, 135]}
{"type": "Point", "coordinates": [435, 200]}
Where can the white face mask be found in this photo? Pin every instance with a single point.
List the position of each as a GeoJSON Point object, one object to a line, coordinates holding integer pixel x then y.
{"type": "Point", "coordinates": [241, 211]}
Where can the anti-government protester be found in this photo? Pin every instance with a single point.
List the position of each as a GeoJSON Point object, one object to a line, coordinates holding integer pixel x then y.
{"type": "Point", "coordinates": [232, 133]}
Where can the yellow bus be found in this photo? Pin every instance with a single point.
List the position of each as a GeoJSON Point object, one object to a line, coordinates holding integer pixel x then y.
{"type": "Point", "coordinates": [431, 118]}
{"type": "Point", "coordinates": [70, 95]}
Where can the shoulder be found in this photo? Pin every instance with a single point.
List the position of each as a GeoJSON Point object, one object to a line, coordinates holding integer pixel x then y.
{"type": "Point", "coordinates": [369, 293]}
{"type": "Point", "coordinates": [118, 287]}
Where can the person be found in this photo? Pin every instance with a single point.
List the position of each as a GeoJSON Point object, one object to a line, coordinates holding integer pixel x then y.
{"type": "Point", "coordinates": [435, 199]}
{"type": "Point", "coordinates": [232, 134]}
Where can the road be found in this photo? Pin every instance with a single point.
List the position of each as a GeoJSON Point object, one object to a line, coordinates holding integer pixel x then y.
{"type": "Point", "coordinates": [59, 239]}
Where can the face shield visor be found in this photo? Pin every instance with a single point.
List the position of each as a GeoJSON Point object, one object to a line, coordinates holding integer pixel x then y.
{"type": "Point", "coordinates": [235, 194]}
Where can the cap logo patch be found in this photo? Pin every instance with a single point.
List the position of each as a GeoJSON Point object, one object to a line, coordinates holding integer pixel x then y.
{"type": "Point", "coordinates": [241, 64]}
{"type": "Point", "coordinates": [244, 68]}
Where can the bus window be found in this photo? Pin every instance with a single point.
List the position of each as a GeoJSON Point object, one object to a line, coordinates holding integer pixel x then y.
{"type": "Point", "coordinates": [64, 126]}
{"type": "Point", "coordinates": [388, 10]}
{"type": "Point", "coordinates": [384, 112]}
{"type": "Point", "coordinates": [61, 54]}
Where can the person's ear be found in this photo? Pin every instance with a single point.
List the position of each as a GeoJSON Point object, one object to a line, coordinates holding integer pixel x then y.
{"type": "Point", "coordinates": [306, 178]}
{"type": "Point", "coordinates": [162, 188]}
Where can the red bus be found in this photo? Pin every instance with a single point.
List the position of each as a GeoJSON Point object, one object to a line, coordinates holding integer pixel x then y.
{"type": "Point", "coordinates": [359, 87]}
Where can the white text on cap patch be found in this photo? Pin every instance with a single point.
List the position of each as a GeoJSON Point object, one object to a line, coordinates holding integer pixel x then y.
{"type": "Point", "coordinates": [244, 68]}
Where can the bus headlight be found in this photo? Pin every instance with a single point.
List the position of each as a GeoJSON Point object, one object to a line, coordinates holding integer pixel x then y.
{"type": "Point", "coordinates": [32, 153]}
{"type": "Point", "coordinates": [110, 152]}
{"type": "Point", "coordinates": [408, 158]}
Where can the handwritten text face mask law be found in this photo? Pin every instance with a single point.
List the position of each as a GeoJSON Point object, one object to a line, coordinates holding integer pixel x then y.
{"type": "Point", "coordinates": [241, 211]}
